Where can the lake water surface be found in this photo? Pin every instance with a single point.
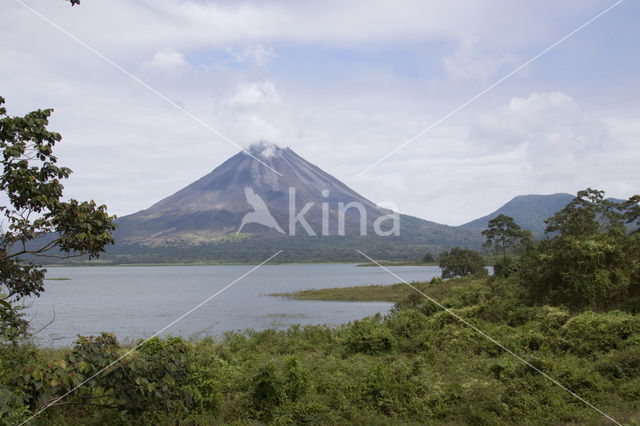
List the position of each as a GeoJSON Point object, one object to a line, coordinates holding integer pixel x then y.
{"type": "Point", "coordinates": [138, 301]}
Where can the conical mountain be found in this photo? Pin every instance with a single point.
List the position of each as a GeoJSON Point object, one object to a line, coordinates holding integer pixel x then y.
{"type": "Point", "coordinates": [299, 207]}
{"type": "Point", "coordinates": [215, 205]}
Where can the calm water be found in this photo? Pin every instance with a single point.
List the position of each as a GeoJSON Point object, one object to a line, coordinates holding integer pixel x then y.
{"type": "Point", "coordinates": [135, 302]}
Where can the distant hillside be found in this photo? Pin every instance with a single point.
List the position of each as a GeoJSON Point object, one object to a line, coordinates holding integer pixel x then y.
{"type": "Point", "coordinates": [528, 211]}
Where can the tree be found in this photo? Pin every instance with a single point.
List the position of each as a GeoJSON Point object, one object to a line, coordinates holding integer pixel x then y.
{"type": "Point", "coordinates": [588, 213]}
{"type": "Point", "coordinates": [428, 258]}
{"type": "Point", "coordinates": [631, 212]}
{"type": "Point", "coordinates": [35, 222]}
{"type": "Point", "coordinates": [594, 272]}
{"type": "Point", "coordinates": [460, 262]}
{"type": "Point", "coordinates": [590, 261]}
{"type": "Point", "coordinates": [502, 232]}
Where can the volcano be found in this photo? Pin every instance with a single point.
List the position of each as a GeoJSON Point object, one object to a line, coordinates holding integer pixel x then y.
{"type": "Point", "coordinates": [270, 198]}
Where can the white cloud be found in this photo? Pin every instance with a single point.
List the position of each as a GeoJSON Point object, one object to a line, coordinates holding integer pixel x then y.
{"type": "Point", "coordinates": [347, 87]}
{"type": "Point", "coordinates": [543, 143]}
{"type": "Point", "coordinates": [256, 54]}
{"type": "Point", "coordinates": [561, 140]}
{"type": "Point", "coordinates": [167, 59]}
{"type": "Point", "coordinates": [257, 128]}
{"type": "Point", "coordinates": [254, 94]}
{"type": "Point", "coordinates": [470, 62]}
{"type": "Point", "coordinates": [193, 24]}
{"type": "Point", "coordinates": [254, 112]}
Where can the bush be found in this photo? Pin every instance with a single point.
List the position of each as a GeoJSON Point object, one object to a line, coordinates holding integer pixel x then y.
{"type": "Point", "coordinates": [621, 364]}
{"type": "Point", "coordinates": [272, 387]}
{"type": "Point", "coordinates": [267, 391]}
{"type": "Point", "coordinates": [18, 388]}
{"type": "Point", "coordinates": [296, 380]}
{"type": "Point", "coordinates": [368, 336]}
{"type": "Point", "coordinates": [506, 267]}
{"type": "Point", "coordinates": [153, 378]}
{"type": "Point", "coordinates": [406, 324]}
{"type": "Point", "coordinates": [588, 333]}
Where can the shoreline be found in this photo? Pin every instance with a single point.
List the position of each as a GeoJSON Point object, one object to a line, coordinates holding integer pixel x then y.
{"type": "Point", "coordinates": [192, 264]}
{"type": "Point", "coordinates": [100, 265]}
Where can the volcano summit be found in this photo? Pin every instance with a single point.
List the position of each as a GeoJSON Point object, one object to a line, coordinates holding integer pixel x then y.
{"type": "Point", "coordinates": [243, 204]}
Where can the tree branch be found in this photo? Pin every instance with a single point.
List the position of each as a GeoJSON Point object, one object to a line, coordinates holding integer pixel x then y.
{"type": "Point", "coordinates": [49, 323]}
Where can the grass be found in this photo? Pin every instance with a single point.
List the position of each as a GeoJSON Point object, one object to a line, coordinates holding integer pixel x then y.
{"type": "Point", "coordinates": [371, 293]}
{"type": "Point", "coordinates": [375, 293]}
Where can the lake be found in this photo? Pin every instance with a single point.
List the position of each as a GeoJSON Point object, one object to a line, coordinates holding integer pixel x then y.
{"type": "Point", "coordinates": [138, 301]}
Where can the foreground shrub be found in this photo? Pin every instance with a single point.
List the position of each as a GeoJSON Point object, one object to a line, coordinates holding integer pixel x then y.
{"type": "Point", "coordinates": [621, 364]}
{"type": "Point", "coordinates": [154, 378]}
{"type": "Point", "coordinates": [267, 391]}
{"type": "Point", "coordinates": [18, 388]}
{"type": "Point", "coordinates": [271, 387]}
{"type": "Point", "coordinates": [368, 336]}
{"type": "Point", "coordinates": [588, 333]}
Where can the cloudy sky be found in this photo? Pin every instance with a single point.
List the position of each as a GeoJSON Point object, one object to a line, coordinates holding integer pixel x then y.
{"type": "Point", "coordinates": [342, 83]}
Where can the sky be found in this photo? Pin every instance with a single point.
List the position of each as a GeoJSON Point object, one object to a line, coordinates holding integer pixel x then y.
{"type": "Point", "coordinates": [150, 95]}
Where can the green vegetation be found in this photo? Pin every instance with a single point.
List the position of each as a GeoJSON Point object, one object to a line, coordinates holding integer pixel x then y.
{"type": "Point", "coordinates": [592, 262]}
{"type": "Point", "coordinates": [416, 365]}
{"type": "Point", "coordinates": [371, 293]}
{"type": "Point", "coordinates": [394, 293]}
{"type": "Point", "coordinates": [460, 262]}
